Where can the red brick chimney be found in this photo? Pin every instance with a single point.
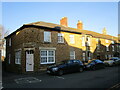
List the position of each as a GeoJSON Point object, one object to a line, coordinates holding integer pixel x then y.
{"type": "Point", "coordinates": [80, 25]}
{"type": "Point", "coordinates": [64, 22]}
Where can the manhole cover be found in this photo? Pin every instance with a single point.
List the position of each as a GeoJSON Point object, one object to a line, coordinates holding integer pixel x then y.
{"type": "Point", "coordinates": [27, 80]}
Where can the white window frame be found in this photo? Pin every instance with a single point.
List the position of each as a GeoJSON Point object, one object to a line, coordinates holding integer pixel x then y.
{"type": "Point", "coordinates": [98, 46]}
{"type": "Point", "coordinates": [113, 48]}
{"type": "Point", "coordinates": [83, 40]}
{"type": "Point", "coordinates": [9, 58]}
{"type": "Point", "coordinates": [47, 36]}
{"type": "Point", "coordinates": [107, 41]}
{"type": "Point", "coordinates": [97, 39]}
{"type": "Point", "coordinates": [89, 41]}
{"type": "Point", "coordinates": [89, 57]}
{"type": "Point", "coordinates": [60, 38]}
{"type": "Point", "coordinates": [72, 39]}
{"type": "Point", "coordinates": [18, 57]}
{"type": "Point", "coordinates": [107, 48]}
{"type": "Point", "coordinates": [106, 56]}
{"type": "Point", "coordinates": [117, 47]}
{"type": "Point", "coordinates": [47, 57]}
{"type": "Point", "coordinates": [83, 56]}
{"type": "Point", "coordinates": [9, 41]}
{"type": "Point", "coordinates": [112, 42]}
{"type": "Point", "coordinates": [72, 54]}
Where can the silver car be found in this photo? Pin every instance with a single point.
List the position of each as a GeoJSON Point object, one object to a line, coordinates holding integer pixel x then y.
{"type": "Point", "coordinates": [109, 63]}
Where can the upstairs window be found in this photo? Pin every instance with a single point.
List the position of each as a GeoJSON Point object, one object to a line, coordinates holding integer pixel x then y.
{"type": "Point", "coordinates": [72, 41]}
{"type": "Point", "coordinates": [18, 57]}
{"type": "Point", "coordinates": [88, 41]}
{"type": "Point", "coordinates": [107, 48]}
{"type": "Point", "coordinates": [98, 46]}
{"type": "Point", "coordinates": [60, 38]}
{"type": "Point", "coordinates": [72, 54]}
{"type": "Point", "coordinates": [113, 48]}
{"type": "Point", "coordinates": [9, 41]}
{"type": "Point", "coordinates": [83, 41]}
{"type": "Point", "coordinates": [107, 41]}
{"type": "Point", "coordinates": [47, 36]}
{"type": "Point", "coordinates": [112, 42]}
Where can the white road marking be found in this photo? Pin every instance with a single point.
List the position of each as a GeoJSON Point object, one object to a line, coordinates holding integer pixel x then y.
{"type": "Point", "coordinates": [115, 86]}
{"type": "Point", "coordinates": [60, 77]}
{"type": "Point", "coordinates": [27, 80]}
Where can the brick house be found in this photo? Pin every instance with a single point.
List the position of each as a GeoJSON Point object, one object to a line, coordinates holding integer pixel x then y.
{"type": "Point", "coordinates": [37, 45]}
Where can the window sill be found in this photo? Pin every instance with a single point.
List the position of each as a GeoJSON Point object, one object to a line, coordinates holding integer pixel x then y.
{"type": "Point", "coordinates": [47, 42]}
{"type": "Point", "coordinates": [48, 63]}
{"type": "Point", "coordinates": [60, 43]}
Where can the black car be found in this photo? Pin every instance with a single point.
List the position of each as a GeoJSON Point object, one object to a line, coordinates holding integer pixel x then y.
{"type": "Point", "coordinates": [66, 66]}
{"type": "Point", "coordinates": [95, 64]}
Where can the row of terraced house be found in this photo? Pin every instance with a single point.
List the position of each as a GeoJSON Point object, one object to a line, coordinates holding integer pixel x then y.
{"type": "Point", "coordinates": [35, 46]}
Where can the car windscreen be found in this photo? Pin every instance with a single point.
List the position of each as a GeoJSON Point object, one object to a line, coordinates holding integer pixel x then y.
{"type": "Point", "coordinates": [98, 61]}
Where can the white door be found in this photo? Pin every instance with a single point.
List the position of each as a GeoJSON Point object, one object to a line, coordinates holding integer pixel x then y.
{"type": "Point", "coordinates": [29, 60]}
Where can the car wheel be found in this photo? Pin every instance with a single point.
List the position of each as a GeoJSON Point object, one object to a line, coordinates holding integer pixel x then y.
{"type": "Point", "coordinates": [60, 72]}
{"type": "Point", "coordinates": [80, 69]}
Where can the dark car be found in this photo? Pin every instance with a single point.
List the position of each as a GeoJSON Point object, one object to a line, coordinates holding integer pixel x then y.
{"type": "Point", "coordinates": [66, 66]}
{"type": "Point", "coordinates": [94, 64]}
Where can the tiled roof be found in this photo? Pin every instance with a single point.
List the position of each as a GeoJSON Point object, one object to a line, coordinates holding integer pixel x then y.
{"type": "Point", "coordinates": [94, 34]}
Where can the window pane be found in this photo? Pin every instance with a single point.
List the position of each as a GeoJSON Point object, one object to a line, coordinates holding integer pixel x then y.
{"type": "Point", "coordinates": [51, 53]}
{"type": "Point", "coordinates": [51, 59]}
{"type": "Point", "coordinates": [43, 53]}
{"type": "Point", "coordinates": [43, 59]}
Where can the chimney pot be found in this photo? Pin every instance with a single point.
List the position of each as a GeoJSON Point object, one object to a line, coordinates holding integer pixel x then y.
{"type": "Point", "coordinates": [104, 31]}
{"type": "Point", "coordinates": [64, 22]}
{"type": "Point", "coordinates": [79, 25]}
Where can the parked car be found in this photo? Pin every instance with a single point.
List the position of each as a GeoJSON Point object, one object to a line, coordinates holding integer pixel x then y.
{"type": "Point", "coordinates": [66, 66]}
{"type": "Point", "coordinates": [116, 60]}
{"type": "Point", "coordinates": [94, 64]}
{"type": "Point", "coordinates": [109, 62]}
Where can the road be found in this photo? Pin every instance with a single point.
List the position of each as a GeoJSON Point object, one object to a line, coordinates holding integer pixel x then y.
{"type": "Point", "coordinates": [103, 78]}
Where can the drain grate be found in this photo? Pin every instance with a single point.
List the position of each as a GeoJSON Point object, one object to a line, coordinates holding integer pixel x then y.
{"type": "Point", "coordinates": [27, 80]}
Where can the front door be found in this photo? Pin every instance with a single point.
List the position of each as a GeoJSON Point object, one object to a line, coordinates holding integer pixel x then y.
{"type": "Point", "coordinates": [29, 60]}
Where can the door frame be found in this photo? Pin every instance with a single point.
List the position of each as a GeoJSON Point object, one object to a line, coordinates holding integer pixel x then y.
{"type": "Point", "coordinates": [25, 49]}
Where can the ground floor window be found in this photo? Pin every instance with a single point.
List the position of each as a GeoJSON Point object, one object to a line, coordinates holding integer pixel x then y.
{"type": "Point", "coordinates": [18, 57]}
{"type": "Point", "coordinates": [9, 59]}
{"type": "Point", "coordinates": [72, 54]}
{"type": "Point", "coordinates": [47, 56]}
{"type": "Point", "coordinates": [83, 56]}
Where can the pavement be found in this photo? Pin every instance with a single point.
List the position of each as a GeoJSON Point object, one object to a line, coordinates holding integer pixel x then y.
{"type": "Point", "coordinates": [107, 79]}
